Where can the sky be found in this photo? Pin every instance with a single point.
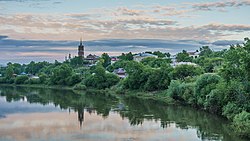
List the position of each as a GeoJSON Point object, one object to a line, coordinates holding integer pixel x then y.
{"type": "Point", "coordinates": [50, 29]}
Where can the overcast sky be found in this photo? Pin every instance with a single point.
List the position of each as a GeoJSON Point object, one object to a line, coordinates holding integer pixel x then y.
{"type": "Point", "coordinates": [49, 29]}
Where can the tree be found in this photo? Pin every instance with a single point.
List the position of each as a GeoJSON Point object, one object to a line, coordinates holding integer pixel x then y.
{"type": "Point", "coordinates": [155, 62]}
{"type": "Point", "coordinates": [106, 60]}
{"type": "Point", "coordinates": [204, 86]}
{"type": "Point", "coordinates": [183, 71]}
{"type": "Point", "coordinates": [127, 56]}
{"type": "Point", "coordinates": [161, 54]}
{"type": "Point", "coordinates": [241, 124]}
{"type": "Point", "coordinates": [21, 79]}
{"type": "Point", "coordinates": [77, 62]}
{"type": "Point", "coordinates": [205, 51]}
{"type": "Point", "coordinates": [100, 79]}
{"type": "Point", "coordinates": [9, 72]}
{"type": "Point", "coordinates": [60, 74]}
{"type": "Point", "coordinates": [183, 57]}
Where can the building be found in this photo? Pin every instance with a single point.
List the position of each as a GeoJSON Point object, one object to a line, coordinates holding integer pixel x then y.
{"type": "Point", "coordinates": [92, 59]}
{"type": "Point", "coordinates": [120, 72]}
{"type": "Point", "coordinates": [194, 54]}
{"type": "Point", "coordinates": [114, 59]}
{"type": "Point", "coordinates": [81, 49]}
{"type": "Point", "coordinates": [141, 56]}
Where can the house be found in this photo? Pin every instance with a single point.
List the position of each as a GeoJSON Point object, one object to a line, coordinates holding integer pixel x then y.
{"type": "Point", "coordinates": [194, 54]}
{"type": "Point", "coordinates": [114, 59]}
{"type": "Point", "coordinates": [141, 56]}
{"type": "Point", "coordinates": [92, 59]}
{"type": "Point", "coordinates": [120, 72]}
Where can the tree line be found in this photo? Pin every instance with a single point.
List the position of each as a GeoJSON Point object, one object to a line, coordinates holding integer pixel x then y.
{"type": "Point", "coordinates": [219, 83]}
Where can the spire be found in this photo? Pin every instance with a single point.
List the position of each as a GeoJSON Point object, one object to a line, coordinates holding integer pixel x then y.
{"type": "Point", "coordinates": [81, 41]}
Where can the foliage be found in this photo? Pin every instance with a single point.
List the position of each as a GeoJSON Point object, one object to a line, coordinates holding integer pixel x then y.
{"type": "Point", "coordinates": [74, 79]}
{"type": "Point", "coordinates": [161, 54]}
{"type": "Point", "coordinates": [241, 124]}
{"type": "Point", "coordinates": [231, 110]}
{"type": "Point", "coordinates": [183, 57]}
{"type": "Point", "coordinates": [127, 56]}
{"type": "Point", "coordinates": [118, 64]}
{"type": "Point", "coordinates": [21, 79]}
{"type": "Point", "coordinates": [100, 79]}
{"type": "Point", "coordinates": [204, 85]}
{"type": "Point", "coordinates": [76, 62]}
{"type": "Point", "coordinates": [155, 62]}
{"type": "Point", "coordinates": [80, 86]}
{"type": "Point", "coordinates": [205, 51]}
{"type": "Point", "coordinates": [183, 71]}
{"type": "Point", "coordinates": [9, 72]}
{"type": "Point", "coordinates": [106, 60]}
{"type": "Point", "coordinates": [61, 74]}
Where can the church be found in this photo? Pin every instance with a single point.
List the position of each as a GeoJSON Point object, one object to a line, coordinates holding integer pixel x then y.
{"type": "Point", "coordinates": [92, 59]}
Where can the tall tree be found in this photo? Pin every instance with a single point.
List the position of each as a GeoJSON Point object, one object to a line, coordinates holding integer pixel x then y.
{"type": "Point", "coordinates": [106, 60]}
{"type": "Point", "coordinates": [183, 57]}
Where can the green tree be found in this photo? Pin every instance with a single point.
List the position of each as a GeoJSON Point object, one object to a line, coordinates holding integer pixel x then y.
{"type": "Point", "coordinates": [204, 86]}
{"type": "Point", "coordinates": [183, 71]}
{"type": "Point", "coordinates": [9, 72]}
{"type": "Point", "coordinates": [127, 56]}
{"type": "Point", "coordinates": [205, 51]}
{"type": "Point", "coordinates": [21, 79]}
{"type": "Point", "coordinates": [106, 60]}
{"type": "Point", "coordinates": [60, 74]}
{"type": "Point", "coordinates": [241, 124]}
{"type": "Point", "coordinates": [183, 57]}
{"type": "Point", "coordinates": [161, 54]}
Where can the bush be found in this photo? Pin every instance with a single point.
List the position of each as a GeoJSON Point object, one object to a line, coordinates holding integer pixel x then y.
{"type": "Point", "coordinates": [204, 85]}
{"type": "Point", "coordinates": [183, 71]}
{"type": "Point", "coordinates": [231, 110]}
{"type": "Point", "coordinates": [34, 81]}
{"type": "Point", "coordinates": [74, 79]}
{"type": "Point", "coordinates": [241, 124]}
{"type": "Point", "coordinates": [43, 77]}
{"type": "Point", "coordinates": [80, 86]}
{"type": "Point", "coordinates": [100, 79]}
{"type": "Point", "coordinates": [174, 89]}
{"type": "Point", "coordinates": [2, 80]}
{"type": "Point", "coordinates": [21, 79]}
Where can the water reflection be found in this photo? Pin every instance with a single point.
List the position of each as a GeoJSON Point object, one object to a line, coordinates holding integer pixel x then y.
{"type": "Point", "coordinates": [103, 117]}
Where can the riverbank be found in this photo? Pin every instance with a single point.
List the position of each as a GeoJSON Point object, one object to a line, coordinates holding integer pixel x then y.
{"type": "Point", "coordinates": [156, 95]}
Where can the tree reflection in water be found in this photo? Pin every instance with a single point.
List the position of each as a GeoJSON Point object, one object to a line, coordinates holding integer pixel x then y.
{"type": "Point", "coordinates": [209, 127]}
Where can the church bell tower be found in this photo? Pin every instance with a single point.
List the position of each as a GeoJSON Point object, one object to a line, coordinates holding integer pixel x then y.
{"type": "Point", "coordinates": [81, 49]}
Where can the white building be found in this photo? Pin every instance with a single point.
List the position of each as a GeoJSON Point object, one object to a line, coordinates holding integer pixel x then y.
{"type": "Point", "coordinates": [195, 54]}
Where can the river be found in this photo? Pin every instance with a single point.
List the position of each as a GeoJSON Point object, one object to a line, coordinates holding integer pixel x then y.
{"type": "Point", "coordinates": [36, 114]}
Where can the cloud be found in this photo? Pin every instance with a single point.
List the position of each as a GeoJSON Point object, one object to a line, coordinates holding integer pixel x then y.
{"type": "Point", "coordinates": [218, 5]}
{"type": "Point", "coordinates": [128, 12]}
{"type": "Point", "coordinates": [40, 50]}
{"type": "Point", "coordinates": [227, 27]}
{"type": "Point", "coordinates": [227, 42]}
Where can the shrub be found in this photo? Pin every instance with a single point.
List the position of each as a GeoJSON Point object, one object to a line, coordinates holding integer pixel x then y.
{"type": "Point", "coordinates": [74, 79]}
{"type": "Point", "coordinates": [173, 89]}
{"type": "Point", "coordinates": [241, 124]}
{"type": "Point", "coordinates": [204, 85]}
{"type": "Point", "coordinates": [21, 79]}
{"type": "Point", "coordinates": [230, 110]}
{"type": "Point", "coordinates": [80, 86]}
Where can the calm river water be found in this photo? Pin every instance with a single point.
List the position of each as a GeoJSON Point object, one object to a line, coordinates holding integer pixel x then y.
{"type": "Point", "coordinates": [31, 114]}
